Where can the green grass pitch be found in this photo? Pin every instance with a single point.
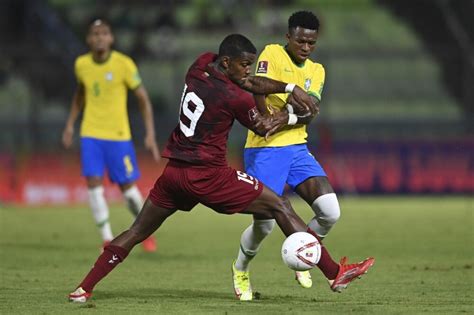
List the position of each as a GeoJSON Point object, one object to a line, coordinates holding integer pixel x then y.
{"type": "Point", "coordinates": [423, 248]}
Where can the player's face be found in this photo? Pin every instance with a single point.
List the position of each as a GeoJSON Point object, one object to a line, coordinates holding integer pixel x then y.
{"type": "Point", "coordinates": [239, 68]}
{"type": "Point", "coordinates": [301, 43]}
{"type": "Point", "coordinates": [100, 38]}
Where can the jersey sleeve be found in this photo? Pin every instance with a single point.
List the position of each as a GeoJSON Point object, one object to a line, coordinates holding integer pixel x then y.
{"type": "Point", "coordinates": [244, 109]}
{"type": "Point", "coordinates": [132, 76]}
{"type": "Point", "coordinates": [77, 71]}
{"type": "Point", "coordinates": [317, 84]}
{"type": "Point", "coordinates": [266, 65]}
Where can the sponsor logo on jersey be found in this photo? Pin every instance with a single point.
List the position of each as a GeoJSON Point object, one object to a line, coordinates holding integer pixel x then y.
{"type": "Point", "coordinates": [307, 84]}
{"type": "Point", "coordinates": [262, 67]}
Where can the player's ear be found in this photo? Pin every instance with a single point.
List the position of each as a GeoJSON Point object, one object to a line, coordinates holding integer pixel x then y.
{"type": "Point", "coordinates": [225, 61]}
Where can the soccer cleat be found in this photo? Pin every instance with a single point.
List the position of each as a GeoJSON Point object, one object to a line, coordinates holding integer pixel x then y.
{"type": "Point", "coordinates": [242, 287]}
{"type": "Point", "coordinates": [149, 245]}
{"type": "Point", "coordinates": [304, 279]}
{"type": "Point", "coordinates": [79, 296]}
{"type": "Point", "coordinates": [347, 273]}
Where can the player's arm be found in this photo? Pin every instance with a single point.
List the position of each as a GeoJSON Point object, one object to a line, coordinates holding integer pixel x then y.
{"type": "Point", "coordinates": [77, 105]}
{"type": "Point", "coordinates": [293, 115]}
{"type": "Point", "coordinates": [146, 110]}
{"type": "Point", "coordinates": [302, 117]}
{"type": "Point", "coordinates": [264, 86]}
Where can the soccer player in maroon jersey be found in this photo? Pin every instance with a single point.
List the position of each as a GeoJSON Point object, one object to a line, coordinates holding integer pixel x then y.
{"type": "Point", "coordinates": [197, 171]}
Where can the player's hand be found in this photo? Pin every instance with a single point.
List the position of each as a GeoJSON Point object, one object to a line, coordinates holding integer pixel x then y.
{"type": "Point", "coordinates": [302, 101]}
{"type": "Point", "coordinates": [302, 111]}
{"type": "Point", "coordinates": [263, 124]}
{"type": "Point", "coordinates": [150, 144]}
{"type": "Point", "coordinates": [68, 133]}
{"type": "Point", "coordinates": [280, 119]}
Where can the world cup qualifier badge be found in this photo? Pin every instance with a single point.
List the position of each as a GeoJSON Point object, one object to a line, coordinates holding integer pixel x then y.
{"type": "Point", "coordinates": [253, 114]}
{"type": "Point", "coordinates": [262, 66]}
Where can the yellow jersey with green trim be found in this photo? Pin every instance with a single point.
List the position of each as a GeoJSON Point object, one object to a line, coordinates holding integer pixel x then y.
{"type": "Point", "coordinates": [105, 85]}
{"type": "Point", "coordinates": [275, 63]}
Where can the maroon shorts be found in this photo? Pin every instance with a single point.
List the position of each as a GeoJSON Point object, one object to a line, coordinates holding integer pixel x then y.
{"type": "Point", "coordinates": [223, 189]}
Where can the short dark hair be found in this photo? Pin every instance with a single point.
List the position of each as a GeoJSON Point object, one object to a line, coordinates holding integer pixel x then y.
{"type": "Point", "coordinates": [236, 44]}
{"type": "Point", "coordinates": [304, 19]}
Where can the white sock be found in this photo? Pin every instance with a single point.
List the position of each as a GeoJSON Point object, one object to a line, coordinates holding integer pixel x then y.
{"type": "Point", "coordinates": [100, 212]}
{"type": "Point", "coordinates": [327, 211]}
{"type": "Point", "coordinates": [250, 242]}
{"type": "Point", "coordinates": [134, 199]}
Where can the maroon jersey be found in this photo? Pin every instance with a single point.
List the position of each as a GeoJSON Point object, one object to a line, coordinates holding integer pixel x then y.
{"type": "Point", "coordinates": [209, 105]}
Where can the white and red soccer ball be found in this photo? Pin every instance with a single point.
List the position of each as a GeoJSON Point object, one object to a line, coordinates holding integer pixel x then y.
{"type": "Point", "coordinates": [301, 251]}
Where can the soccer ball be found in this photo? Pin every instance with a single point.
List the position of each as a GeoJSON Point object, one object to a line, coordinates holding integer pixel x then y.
{"type": "Point", "coordinates": [301, 251]}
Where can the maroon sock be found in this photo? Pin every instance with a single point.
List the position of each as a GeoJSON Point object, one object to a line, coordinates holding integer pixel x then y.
{"type": "Point", "coordinates": [326, 264]}
{"type": "Point", "coordinates": [108, 260]}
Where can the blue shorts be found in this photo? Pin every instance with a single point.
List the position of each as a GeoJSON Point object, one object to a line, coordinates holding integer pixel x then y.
{"type": "Point", "coordinates": [117, 156]}
{"type": "Point", "coordinates": [275, 166]}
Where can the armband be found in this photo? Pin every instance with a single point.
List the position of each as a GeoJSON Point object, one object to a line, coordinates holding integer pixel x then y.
{"type": "Point", "coordinates": [289, 87]}
{"type": "Point", "coordinates": [292, 119]}
{"type": "Point", "coordinates": [289, 108]}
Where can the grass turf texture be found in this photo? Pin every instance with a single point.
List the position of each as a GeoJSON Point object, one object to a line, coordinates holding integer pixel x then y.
{"type": "Point", "coordinates": [423, 249]}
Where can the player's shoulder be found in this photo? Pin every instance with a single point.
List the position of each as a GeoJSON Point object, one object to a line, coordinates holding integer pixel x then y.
{"type": "Point", "coordinates": [314, 66]}
{"type": "Point", "coordinates": [84, 59]}
{"type": "Point", "coordinates": [122, 58]}
{"type": "Point", "coordinates": [273, 49]}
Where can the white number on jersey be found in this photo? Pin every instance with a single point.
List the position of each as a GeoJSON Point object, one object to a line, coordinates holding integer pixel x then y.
{"type": "Point", "coordinates": [193, 116]}
{"type": "Point", "coordinates": [245, 177]}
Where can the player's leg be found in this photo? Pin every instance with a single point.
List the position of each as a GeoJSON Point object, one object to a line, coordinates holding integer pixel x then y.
{"type": "Point", "coordinates": [93, 167]}
{"type": "Point", "coordinates": [270, 166]}
{"type": "Point", "coordinates": [318, 193]}
{"type": "Point", "coordinates": [123, 170]}
{"type": "Point", "coordinates": [148, 221]}
{"type": "Point", "coordinates": [134, 200]}
{"type": "Point", "coordinates": [308, 179]}
{"type": "Point", "coordinates": [339, 275]}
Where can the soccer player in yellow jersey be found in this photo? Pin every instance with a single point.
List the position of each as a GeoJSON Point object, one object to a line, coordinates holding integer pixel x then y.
{"type": "Point", "coordinates": [284, 158]}
{"type": "Point", "coordinates": [104, 76]}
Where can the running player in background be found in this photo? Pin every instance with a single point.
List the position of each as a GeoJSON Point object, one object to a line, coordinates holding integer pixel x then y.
{"type": "Point", "coordinates": [197, 171]}
{"type": "Point", "coordinates": [284, 158]}
{"type": "Point", "coordinates": [104, 75]}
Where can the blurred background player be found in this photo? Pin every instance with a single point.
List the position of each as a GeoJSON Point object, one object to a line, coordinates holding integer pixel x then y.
{"type": "Point", "coordinates": [284, 158]}
{"type": "Point", "coordinates": [198, 172]}
{"type": "Point", "coordinates": [103, 76]}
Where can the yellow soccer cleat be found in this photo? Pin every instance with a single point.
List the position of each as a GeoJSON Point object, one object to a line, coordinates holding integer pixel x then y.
{"type": "Point", "coordinates": [242, 287]}
{"type": "Point", "coordinates": [304, 279]}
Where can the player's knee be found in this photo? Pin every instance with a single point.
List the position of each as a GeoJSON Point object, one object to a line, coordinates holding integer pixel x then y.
{"type": "Point", "coordinates": [326, 208]}
{"type": "Point", "coordinates": [263, 227]}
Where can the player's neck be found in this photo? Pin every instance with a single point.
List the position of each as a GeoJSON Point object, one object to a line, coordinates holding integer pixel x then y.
{"type": "Point", "coordinates": [101, 56]}
{"type": "Point", "coordinates": [299, 64]}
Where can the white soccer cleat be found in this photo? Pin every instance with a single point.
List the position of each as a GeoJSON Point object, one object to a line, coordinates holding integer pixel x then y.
{"type": "Point", "coordinates": [304, 279]}
{"type": "Point", "coordinates": [79, 296]}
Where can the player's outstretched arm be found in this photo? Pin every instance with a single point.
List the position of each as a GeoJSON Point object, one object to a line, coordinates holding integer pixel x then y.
{"type": "Point", "coordinates": [147, 113]}
{"type": "Point", "coordinates": [76, 107]}
{"type": "Point", "coordinates": [265, 86]}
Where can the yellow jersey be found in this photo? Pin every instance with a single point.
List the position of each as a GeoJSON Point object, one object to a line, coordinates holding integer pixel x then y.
{"type": "Point", "coordinates": [275, 63]}
{"type": "Point", "coordinates": [105, 85]}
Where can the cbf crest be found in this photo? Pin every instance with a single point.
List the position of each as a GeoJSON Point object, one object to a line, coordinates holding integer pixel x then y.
{"type": "Point", "coordinates": [109, 76]}
{"type": "Point", "coordinates": [307, 84]}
